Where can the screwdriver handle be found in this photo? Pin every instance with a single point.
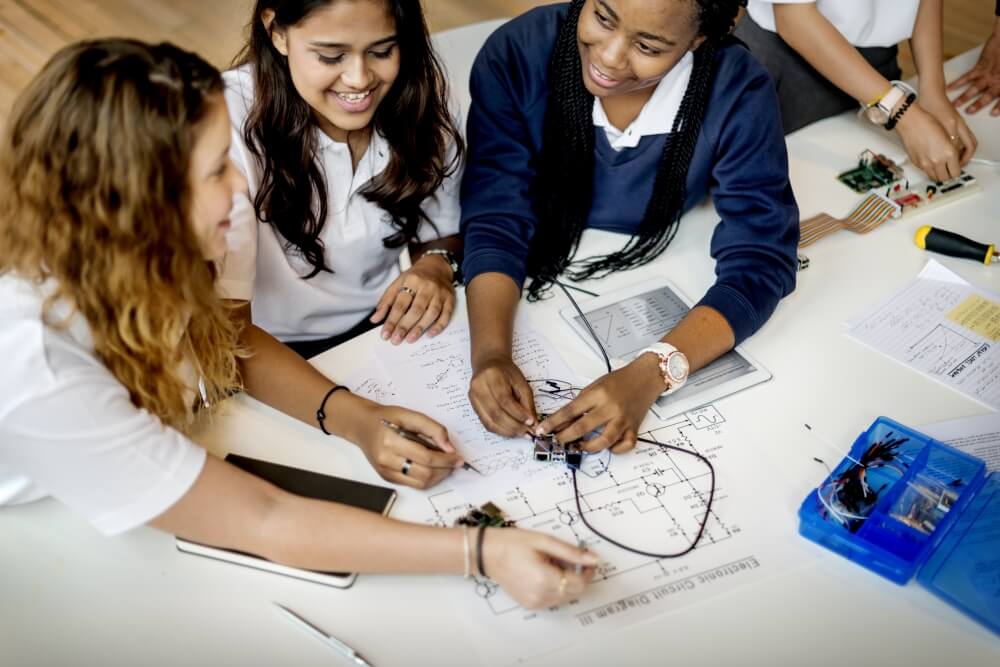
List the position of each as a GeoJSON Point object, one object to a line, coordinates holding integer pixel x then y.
{"type": "Point", "coordinates": [955, 245]}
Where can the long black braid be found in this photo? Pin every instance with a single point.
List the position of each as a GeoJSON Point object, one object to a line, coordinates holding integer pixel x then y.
{"type": "Point", "coordinates": [564, 185]}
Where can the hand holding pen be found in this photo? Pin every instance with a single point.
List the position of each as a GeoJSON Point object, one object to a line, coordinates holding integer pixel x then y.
{"type": "Point", "coordinates": [420, 439]}
{"type": "Point", "coordinates": [410, 461]}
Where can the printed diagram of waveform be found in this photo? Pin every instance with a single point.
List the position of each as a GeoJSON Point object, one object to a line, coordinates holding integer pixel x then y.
{"type": "Point", "coordinates": [941, 350]}
{"type": "Point", "coordinates": [652, 491]}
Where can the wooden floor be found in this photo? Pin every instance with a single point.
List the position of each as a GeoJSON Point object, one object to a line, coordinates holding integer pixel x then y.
{"type": "Point", "coordinates": [31, 30]}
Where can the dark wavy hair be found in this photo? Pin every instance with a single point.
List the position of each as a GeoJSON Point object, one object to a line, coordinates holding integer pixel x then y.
{"type": "Point", "coordinates": [564, 183]}
{"type": "Point", "coordinates": [424, 145]}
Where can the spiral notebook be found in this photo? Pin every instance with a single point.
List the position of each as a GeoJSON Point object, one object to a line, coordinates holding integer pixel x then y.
{"type": "Point", "coordinates": [311, 485]}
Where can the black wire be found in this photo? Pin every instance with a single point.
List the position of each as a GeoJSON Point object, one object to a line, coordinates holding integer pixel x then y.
{"type": "Point", "coordinates": [586, 323]}
{"type": "Point", "coordinates": [699, 456]}
{"type": "Point", "coordinates": [701, 526]}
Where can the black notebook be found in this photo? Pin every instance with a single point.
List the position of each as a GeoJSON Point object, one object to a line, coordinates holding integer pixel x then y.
{"type": "Point", "coordinates": [311, 485]}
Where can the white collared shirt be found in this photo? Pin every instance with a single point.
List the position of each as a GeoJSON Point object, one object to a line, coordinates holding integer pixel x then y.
{"type": "Point", "coordinates": [861, 22]}
{"type": "Point", "coordinates": [657, 115]}
{"type": "Point", "coordinates": [258, 268]}
{"type": "Point", "coordinates": [68, 427]}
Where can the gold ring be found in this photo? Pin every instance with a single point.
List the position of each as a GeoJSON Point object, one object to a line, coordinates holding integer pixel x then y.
{"type": "Point", "coordinates": [408, 290]}
{"type": "Point", "coordinates": [562, 585]}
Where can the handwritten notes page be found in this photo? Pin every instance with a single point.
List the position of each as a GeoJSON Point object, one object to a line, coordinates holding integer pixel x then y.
{"type": "Point", "coordinates": [944, 328]}
{"type": "Point", "coordinates": [432, 376]}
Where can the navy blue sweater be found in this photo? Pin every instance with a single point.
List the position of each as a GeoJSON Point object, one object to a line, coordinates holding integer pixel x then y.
{"type": "Point", "coordinates": [739, 159]}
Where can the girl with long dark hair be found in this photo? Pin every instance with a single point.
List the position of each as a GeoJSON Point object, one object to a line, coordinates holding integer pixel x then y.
{"type": "Point", "coordinates": [619, 115]}
{"type": "Point", "coordinates": [341, 127]}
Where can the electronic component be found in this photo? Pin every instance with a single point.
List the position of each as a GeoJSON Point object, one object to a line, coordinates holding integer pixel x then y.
{"type": "Point", "coordinates": [873, 171]}
{"type": "Point", "coordinates": [926, 195]}
{"type": "Point", "coordinates": [549, 450]}
{"type": "Point", "coordinates": [486, 515]}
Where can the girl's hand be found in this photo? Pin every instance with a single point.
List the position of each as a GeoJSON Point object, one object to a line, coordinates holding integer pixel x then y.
{"type": "Point", "coordinates": [954, 125]}
{"type": "Point", "coordinates": [389, 452]}
{"type": "Point", "coordinates": [614, 404]}
{"type": "Point", "coordinates": [420, 300]}
{"type": "Point", "coordinates": [982, 82]}
{"type": "Point", "coordinates": [536, 570]}
{"type": "Point", "coordinates": [929, 145]}
{"type": "Point", "coordinates": [502, 397]}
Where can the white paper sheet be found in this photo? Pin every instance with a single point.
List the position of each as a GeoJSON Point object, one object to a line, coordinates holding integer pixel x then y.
{"type": "Point", "coordinates": [942, 327]}
{"type": "Point", "coordinates": [432, 376]}
{"type": "Point", "coordinates": [652, 499]}
{"type": "Point", "coordinates": [979, 436]}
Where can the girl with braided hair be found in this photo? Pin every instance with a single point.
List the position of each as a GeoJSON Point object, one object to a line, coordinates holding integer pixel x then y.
{"type": "Point", "coordinates": [618, 115]}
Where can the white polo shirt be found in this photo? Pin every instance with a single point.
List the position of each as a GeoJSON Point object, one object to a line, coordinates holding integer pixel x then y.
{"type": "Point", "coordinates": [657, 114]}
{"type": "Point", "coordinates": [68, 428]}
{"type": "Point", "coordinates": [861, 22]}
{"type": "Point", "coordinates": [258, 268]}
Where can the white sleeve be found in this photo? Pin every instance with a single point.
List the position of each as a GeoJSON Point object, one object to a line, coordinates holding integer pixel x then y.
{"type": "Point", "coordinates": [238, 268]}
{"type": "Point", "coordinates": [76, 434]}
{"type": "Point", "coordinates": [443, 208]}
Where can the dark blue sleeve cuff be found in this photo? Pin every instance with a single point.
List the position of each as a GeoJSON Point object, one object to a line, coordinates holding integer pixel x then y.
{"type": "Point", "coordinates": [734, 307]}
{"type": "Point", "coordinates": [493, 261]}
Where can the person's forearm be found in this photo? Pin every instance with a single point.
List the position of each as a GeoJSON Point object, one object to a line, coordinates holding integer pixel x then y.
{"type": "Point", "coordinates": [813, 37]}
{"type": "Point", "coordinates": [926, 43]}
{"type": "Point", "coordinates": [231, 509]}
{"type": "Point", "coordinates": [274, 374]}
{"type": "Point", "coordinates": [703, 336]}
{"type": "Point", "coordinates": [492, 301]}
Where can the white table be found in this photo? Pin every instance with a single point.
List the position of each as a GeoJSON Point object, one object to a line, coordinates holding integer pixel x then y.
{"type": "Point", "coordinates": [70, 596]}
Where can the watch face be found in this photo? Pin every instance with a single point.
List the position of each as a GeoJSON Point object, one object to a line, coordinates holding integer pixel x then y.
{"type": "Point", "coordinates": [877, 115]}
{"type": "Point", "coordinates": [677, 367]}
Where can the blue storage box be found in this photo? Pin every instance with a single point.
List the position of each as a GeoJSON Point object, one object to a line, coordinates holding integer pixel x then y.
{"type": "Point", "coordinates": [902, 504]}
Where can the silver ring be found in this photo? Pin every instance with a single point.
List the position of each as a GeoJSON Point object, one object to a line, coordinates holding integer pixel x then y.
{"type": "Point", "coordinates": [406, 466]}
{"type": "Point", "coordinates": [408, 290]}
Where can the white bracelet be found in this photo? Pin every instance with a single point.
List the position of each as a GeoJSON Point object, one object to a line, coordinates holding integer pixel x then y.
{"type": "Point", "coordinates": [466, 549]}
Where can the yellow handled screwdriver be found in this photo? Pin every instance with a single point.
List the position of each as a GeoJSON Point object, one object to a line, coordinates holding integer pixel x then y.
{"type": "Point", "coordinates": [955, 245]}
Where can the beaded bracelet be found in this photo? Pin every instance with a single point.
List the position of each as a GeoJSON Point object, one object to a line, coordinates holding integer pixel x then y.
{"type": "Point", "coordinates": [321, 413]}
{"type": "Point", "coordinates": [466, 551]}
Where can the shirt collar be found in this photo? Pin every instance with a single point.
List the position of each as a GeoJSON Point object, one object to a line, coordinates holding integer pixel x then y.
{"type": "Point", "coordinates": [657, 115]}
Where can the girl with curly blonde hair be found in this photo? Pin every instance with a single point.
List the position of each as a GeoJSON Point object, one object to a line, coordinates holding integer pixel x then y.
{"type": "Point", "coordinates": [115, 192]}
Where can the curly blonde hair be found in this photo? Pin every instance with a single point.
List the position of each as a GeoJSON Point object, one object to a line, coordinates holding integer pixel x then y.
{"type": "Point", "coordinates": [95, 199]}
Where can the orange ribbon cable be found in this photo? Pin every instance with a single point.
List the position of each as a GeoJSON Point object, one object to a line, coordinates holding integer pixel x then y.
{"type": "Point", "coordinates": [869, 214]}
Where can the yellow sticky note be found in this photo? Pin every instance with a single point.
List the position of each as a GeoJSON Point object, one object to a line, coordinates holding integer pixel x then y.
{"type": "Point", "coordinates": [979, 315]}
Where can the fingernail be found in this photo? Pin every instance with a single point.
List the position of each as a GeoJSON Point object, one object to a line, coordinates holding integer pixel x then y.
{"type": "Point", "coordinates": [385, 334]}
{"type": "Point", "coordinates": [529, 421]}
{"type": "Point", "coordinates": [396, 340]}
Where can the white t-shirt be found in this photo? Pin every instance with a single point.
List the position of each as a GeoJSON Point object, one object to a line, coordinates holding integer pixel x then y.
{"type": "Point", "coordinates": [258, 269]}
{"type": "Point", "coordinates": [657, 115]}
{"type": "Point", "coordinates": [68, 428]}
{"type": "Point", "coordinates": [861, 22]}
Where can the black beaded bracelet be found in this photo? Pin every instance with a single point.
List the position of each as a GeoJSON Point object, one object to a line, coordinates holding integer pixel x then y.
{"type": "Point", "coordinates": [321, 413]}
{"type": "Point", "coordinates": [479, 551]}
{"type": "Point", "coordinates": [902, 109]}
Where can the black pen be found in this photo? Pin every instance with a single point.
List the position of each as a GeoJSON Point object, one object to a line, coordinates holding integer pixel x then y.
{"type": "Point", "coordinates": [421, 439]}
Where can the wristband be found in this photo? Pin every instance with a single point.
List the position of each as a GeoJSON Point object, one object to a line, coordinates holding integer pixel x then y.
{"type": "Point", "coordinates": [902, 109]}
{"type": "Point", "coordinates": [466, 550]}
{"type": "Point", "coordinates": [321, 413]}
{"type": "Point", "coordinates": [448, 256]}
